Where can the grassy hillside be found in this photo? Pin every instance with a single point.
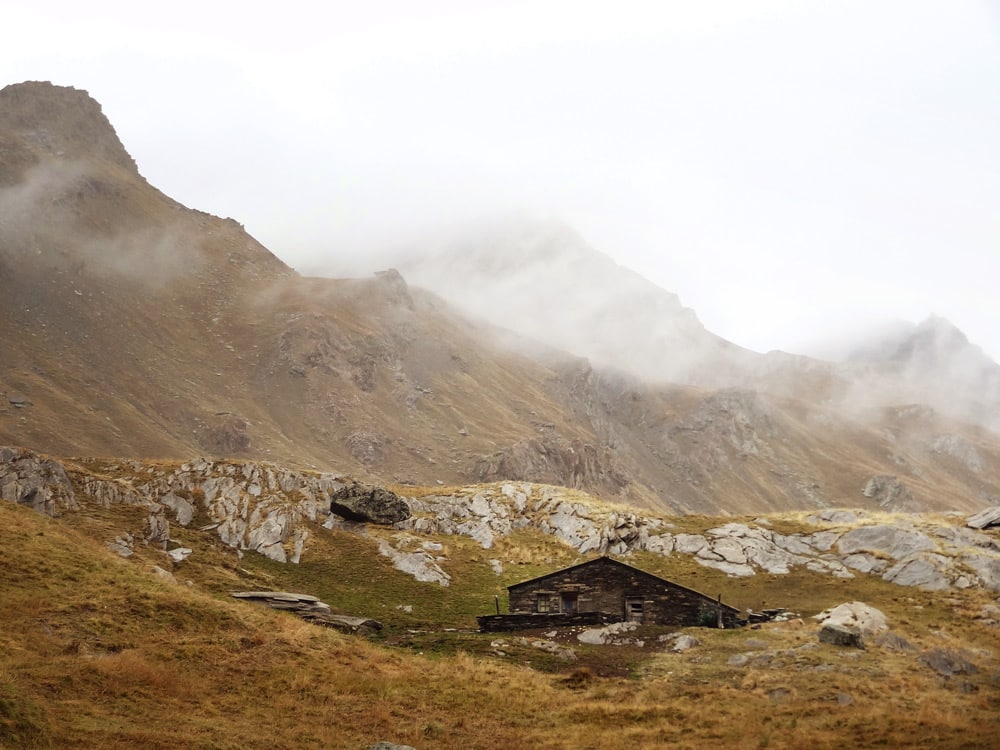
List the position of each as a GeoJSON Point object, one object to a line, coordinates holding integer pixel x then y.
{"type": "Point", "coordinates": [101, 652]}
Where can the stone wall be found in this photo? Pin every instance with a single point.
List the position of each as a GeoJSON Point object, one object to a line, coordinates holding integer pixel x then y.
{"type": "Point", "coordinates": [533, 620]}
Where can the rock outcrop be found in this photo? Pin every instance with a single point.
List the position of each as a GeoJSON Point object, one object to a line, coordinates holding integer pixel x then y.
{"type": "Point", "coordinates": [889, 492]}
{"type": "Point", "coordinates": [555, 459]}
{"type": "Point", "coordinates": [910, 551]}
{"type": "Point", "coordinates": [40, 483]}
{"type": "Point", "coordinates": [273, 511]}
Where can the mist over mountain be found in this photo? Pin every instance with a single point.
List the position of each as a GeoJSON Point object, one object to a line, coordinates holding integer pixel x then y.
{"type": "Point", "coordinates": [538, 277]}
{"type": "Point", "coordinates": [136, 327]}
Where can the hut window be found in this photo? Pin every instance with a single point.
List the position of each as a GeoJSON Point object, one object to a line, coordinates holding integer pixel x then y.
{"type": "Point", "coordinates": [569, 601]}
{"type": "Point", "coordinates": [634, 609]}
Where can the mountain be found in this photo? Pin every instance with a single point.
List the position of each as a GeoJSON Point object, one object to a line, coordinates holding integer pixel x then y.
{"type": "Point", "coordinates": [136, 327]}
{"type": "Point", "coordinates": [541, 279]}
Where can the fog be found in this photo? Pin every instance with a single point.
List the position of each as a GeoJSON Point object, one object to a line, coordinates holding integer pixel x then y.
{"type": "Point", "coordinates": [43, 211]}
{"type": "Point", "coordinates": [791, 170]}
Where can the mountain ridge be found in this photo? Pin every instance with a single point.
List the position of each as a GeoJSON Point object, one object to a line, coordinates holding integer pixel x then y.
{"type": "Point", "coordinates": [140, 328]}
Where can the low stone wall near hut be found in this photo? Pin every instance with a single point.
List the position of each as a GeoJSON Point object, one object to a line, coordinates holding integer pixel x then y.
{"type": "Point", "coordinates": [531, 620]}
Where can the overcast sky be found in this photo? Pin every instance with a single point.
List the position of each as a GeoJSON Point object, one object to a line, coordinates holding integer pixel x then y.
{"type": "Point", "coordinates": [789, 169]}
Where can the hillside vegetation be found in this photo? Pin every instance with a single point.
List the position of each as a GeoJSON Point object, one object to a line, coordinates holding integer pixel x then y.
{"type": "Point", "coordinates": [99, 651]}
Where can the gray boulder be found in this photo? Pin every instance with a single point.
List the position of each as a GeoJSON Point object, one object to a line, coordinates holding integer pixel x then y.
{"type": "Point", "coordinates": [684, 642]}
{"type": "Point", "coordinates": [859, 616]}
{"type": "Point", "coordinates": [368, 504]}
{"type": "Point", "coordinates": [841, 635]}
{"type": "Point", "coordinates": [947, 663]}
{"type": "Point", "coordinates": [383, 745]}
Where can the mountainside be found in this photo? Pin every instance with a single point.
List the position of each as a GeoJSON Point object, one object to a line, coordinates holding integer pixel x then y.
{"type": "Point", "coordinates": [136, 327]}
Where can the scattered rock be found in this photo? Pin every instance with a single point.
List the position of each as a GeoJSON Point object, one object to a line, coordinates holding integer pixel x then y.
{"type": "Point", "coordinates": [841, 635]}
{"type": "Point", "coordinates": [562, 652]}
{"type": "Point", "coordinates": [157, 528]}
{"type": "Point", "coordinates": [948, 663]}
{"type": "Point", "coordinates": [159, 572]}
{"type": "Point", "coordinates": [383, 745]}
{"type": "Point", "coordinates": [311, 609]}
{"type": "Point", "coordinates": [609, 634]}
{"type": "Point", "coordinates": [960, 449]}
{"type": "Point", "coordinates": [122, 545]}
{"type": "Point", "coordinates": [928, 573]}
{"type": "Point", "coordinates": [893, 642]}
{"type": "Point", "coordinates": [180, 554]}
{"type": "Point", "coordinates": [867, 620]}
{"type": "Point", "coordinates": [420, 564]}
{"type": "Point", "coordinates": [684, 642]}
{"type": "Point", "coordinates": [984, 518]}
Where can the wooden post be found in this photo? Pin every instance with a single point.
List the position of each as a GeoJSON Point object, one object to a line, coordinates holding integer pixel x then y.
{"type": "Point", "coordinates": [496, 598]}
{"type": "Point", "coordinates": [719, 622]}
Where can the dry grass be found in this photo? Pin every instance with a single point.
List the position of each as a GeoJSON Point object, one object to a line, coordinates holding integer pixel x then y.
{"type": "Point", "coordinates": [95, 652]}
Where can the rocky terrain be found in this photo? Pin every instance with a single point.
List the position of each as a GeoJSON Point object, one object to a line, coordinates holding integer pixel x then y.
{"type": "Point", "coordinates": [192, 428]}
{"type": "Point", "coordinates": [135, 327]}
{"type": "Point", "coordinates": [274, 511]}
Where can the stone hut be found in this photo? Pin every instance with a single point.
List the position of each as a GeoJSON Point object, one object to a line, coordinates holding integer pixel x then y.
{"type": "Point", "coordinates": [606, 590]}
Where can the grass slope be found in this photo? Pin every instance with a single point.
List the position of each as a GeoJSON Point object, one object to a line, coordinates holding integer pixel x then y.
{"type": "Point", "coordinates": [99, 652]}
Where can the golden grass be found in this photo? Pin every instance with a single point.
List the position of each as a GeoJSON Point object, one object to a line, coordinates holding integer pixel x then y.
{"type": "Point", "coordinates": [95, 652]}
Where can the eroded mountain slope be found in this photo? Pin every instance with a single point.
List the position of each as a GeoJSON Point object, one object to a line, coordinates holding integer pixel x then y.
{"type": "Point", "coordinates": [136, 327]}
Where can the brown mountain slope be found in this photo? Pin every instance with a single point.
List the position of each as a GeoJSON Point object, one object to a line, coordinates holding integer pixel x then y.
{"type": "Point", "coordinates": [133, 326]}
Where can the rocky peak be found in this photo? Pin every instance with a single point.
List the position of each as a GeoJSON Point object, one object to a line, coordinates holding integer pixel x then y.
{"type": "Point", "coordinates": [931, 339]}
{"type": "Point", "coordinates": [46, 120]}
{"type": "Point", "coordinates": [394, 284]}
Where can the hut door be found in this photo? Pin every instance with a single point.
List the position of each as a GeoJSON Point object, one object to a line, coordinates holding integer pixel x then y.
{"type": "Point", "coordinates": [633, 610]}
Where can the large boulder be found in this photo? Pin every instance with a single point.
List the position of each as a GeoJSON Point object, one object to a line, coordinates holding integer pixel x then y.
{"type": "Point", "coordinates": [859, 616]}
{"type": "Point", "coordinates": [368, 504]}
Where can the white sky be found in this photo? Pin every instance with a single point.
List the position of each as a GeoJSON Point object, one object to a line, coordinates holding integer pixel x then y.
{"type": "Point", "coordinates": [788, 168]}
